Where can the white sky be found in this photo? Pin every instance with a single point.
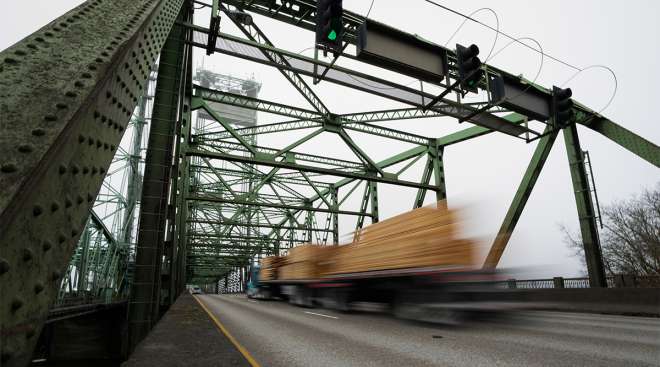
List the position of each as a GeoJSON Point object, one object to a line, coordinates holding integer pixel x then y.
{"type": "Point", "coordinates": [484, 172]}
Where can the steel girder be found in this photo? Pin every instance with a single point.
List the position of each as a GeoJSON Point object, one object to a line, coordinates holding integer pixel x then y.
{"type": "Point", "coordinates": [520, 199]}
{"type": "Point", "coordinates": [145, 300]}
{"type": "Point", "coordinates": [585, 208]}
{"type": "Point", "coordinates": [87, 70]}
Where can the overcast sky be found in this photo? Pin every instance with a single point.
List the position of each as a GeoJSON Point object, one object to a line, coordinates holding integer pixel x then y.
{"type": "Point", "coordinates": [484, 172]}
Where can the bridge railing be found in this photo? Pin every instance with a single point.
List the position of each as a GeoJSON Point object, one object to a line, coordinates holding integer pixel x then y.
{"type": "Point", "coordinates": [613, 281]}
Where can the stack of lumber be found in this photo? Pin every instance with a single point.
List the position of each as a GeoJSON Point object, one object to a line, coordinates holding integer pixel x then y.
{"type": "Point", "coordinates": [304, 262]}
{"type": "Point", "coordinates": [423, 237]}
{"type": "Point", "coordinates": [269, 266]}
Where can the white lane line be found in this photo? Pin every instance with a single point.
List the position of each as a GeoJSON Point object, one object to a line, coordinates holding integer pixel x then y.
{"type": "Point", "coordinates": [252, 301]}
{"type": "Point", "coordinates": [320, 314]}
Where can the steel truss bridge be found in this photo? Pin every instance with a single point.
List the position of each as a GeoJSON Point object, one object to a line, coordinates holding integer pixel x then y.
{"type": "Point", "coordinates": [210, 197]}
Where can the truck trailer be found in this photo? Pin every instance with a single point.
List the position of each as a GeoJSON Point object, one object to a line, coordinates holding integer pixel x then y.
{"type": "Point", "coordinates": [416, 263]}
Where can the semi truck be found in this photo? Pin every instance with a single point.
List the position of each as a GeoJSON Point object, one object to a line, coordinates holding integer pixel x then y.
{"type": "Point", "coordinates": [416, 264]}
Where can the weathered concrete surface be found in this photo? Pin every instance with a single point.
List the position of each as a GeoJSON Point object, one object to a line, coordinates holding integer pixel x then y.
{"type": "Point", "coordinates": [186, 336]}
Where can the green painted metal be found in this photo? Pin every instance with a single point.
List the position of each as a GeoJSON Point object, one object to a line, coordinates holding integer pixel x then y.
{"type": "Point", "coordinates": [255, 34]}
{"type": "Point", "coordinates": [437, 153]}
{"type": "Point", "coordinates": [238, 100]}
{"type": "Point", "coordinates": [55, 153]}
{"type": "Point", "coordinates": [224, 210]}
{"type": "Point", "coordinates": [520, 199]}
{"type": "Point", "coordinates": [585, 208]}
{"type": "Point", "coordinates": [476, 131]}
{"type": "Point", "coordinates": [625, 138]}
{"type": "Point", "coordinates": [145, 299]}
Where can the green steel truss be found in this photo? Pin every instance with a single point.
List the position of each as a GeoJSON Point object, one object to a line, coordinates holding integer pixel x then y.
{"type": "Point", "coordinates": [213, 198]}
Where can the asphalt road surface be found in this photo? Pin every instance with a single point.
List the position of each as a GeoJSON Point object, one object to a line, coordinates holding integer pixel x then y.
{"type": "Point", "coordinates": [279, 334]}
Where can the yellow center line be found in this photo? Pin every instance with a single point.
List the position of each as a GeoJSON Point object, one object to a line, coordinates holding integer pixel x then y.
{"type": "Point", "coordinates": [233, 340]}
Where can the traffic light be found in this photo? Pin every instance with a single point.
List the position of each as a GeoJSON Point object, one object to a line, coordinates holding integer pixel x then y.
{"type": "Point", "coordinates": [469, 67]}
{"type": "Point", "coordinates": [329, 25]}
{"type": "Point", "coordinates": [562, 106]}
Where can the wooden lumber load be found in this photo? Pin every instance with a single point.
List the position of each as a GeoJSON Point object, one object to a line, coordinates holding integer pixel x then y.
{"type": "Point", "coordinates": [305, 262]}
{"type": "Point", "coordinates": [270, 266]}
{"type": "Point", "coordinates": [424, 237]}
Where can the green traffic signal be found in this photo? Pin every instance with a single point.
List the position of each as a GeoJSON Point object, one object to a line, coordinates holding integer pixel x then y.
{"type": "Point", "coordinates": [332, 36]}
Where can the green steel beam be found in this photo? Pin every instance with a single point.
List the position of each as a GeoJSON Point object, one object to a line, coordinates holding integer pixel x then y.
{"type": "Point", "coordinates": [306, 168]}
{"type": "Point", "coordinates": [585, 208]}
{"type": "Point", "coordinates": [255, 34]}
{"type": "Point", "coordinates": [200, 103]}
{"type": "Point", "coordinates": [236, 46]}
{"type": "Point", "coordinates": [210, 95]}
{"type": "Point", "coordinates": [476, 131]}
{"type": "Point", "coordinates": [426, 179]}
{"type": "Point", "coordinates": [437, 154]}
{"type": "Point", "coordinates": [360, 153]}
{"type": "Point", "coordinates": [634, 143]}
{"type": "Point", "coordinates": [145, 297]}
{"type": "Point", "coordinates": [295, 156]}
{"type": "Point", "coordinates": [523, 193]}
{"type": "Point", "coordinates": [56, 151]}
{"type": "Point", "coordinates": [274, 205]}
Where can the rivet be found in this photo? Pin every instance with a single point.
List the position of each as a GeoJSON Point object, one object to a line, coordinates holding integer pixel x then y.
{"type": "Point", "coordinates": [24, 148]}
{"type": "Point", "coordinates": [37, 210]}
{"type": "Point", "coordinates": [70, 94]}
{"type": "Point", "coordinates": [8, 168]}
{"type": "Point", "coordinates": [46, 245]}
{"type": "Point", "coordinates": [9, 60]}
{"type": "Point", "coordinates": [20, 52]}
{"type": "Point", "coordinates": [38, 132]}
{"type": "Point", "coordinates": [74, 232]}
{"type": "Point", "coordinates": [81, 139]}
{"type": "Point", "coordinates": [86, 75]}
{"type": "Point", "coordinates": [79, 84]}
{"type": "Point", "coordinates": [90, 198]}
{"type": "Point", "coordinates": [85, 170]}
{"type": "Point", "coordinates": [94, 170]}
{"type": "Point", "coordinates": [4, 266]}
{"type": "Point", "coordinates": [16, 304]}
{"type": "Point", "coordinates": [90, 141]}
{"type": "Point", "coordinates": [38, 288]}
{"type": "Point", "coordinates": [79, 200]}
{"type": "Point", "coordinates": [67, 202]}
{"type": "Point", "coordinates": [61, 106]}
{"type": "Point", "coordinates": [54, 206]}
{"type": "Point", "coordinates": [50, 118]}
{"type": "Point", "coordinates": [61, 238]}
{"type": "Point", "coordinates": [27, 254]}
{"type": "Point", "coordinates": [75, 169]}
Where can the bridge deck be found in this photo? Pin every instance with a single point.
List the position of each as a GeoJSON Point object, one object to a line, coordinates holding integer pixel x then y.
{"type": "Point", "coordinates": [186, 336]}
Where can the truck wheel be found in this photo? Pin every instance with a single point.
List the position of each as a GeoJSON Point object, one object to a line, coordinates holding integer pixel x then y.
{"type": "Point", "coordinates": [342, 300]}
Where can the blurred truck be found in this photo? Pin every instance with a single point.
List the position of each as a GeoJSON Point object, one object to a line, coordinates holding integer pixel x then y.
{"type": "Point", "coordinates": [417, 263]}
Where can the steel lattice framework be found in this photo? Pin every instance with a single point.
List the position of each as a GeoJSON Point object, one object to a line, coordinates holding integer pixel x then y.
{"type": "Point", "coordinates": [212, 198]}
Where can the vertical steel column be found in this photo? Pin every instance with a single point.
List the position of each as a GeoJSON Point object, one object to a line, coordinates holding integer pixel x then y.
{"type": "Point", "coordinates": [426, 178]}
{"type": "Point", "coordinates": [145, 294]}
{"type": "Point", "coordinates": [436, 154]}
{"type": "Point", "coordinates": [520, 199]}
{"type": "Point", "coordinates": [334, 197]}
{"type": "Point", "coordinates": [373, 193]}
{"type": "Point", "coordinates": [180, 185]}
{"type": "Point", "coordinates": [585, 208]}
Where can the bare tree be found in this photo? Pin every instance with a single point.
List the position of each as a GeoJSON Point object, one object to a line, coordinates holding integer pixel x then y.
{"type": "Point", "coordinates": [630, 239]}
